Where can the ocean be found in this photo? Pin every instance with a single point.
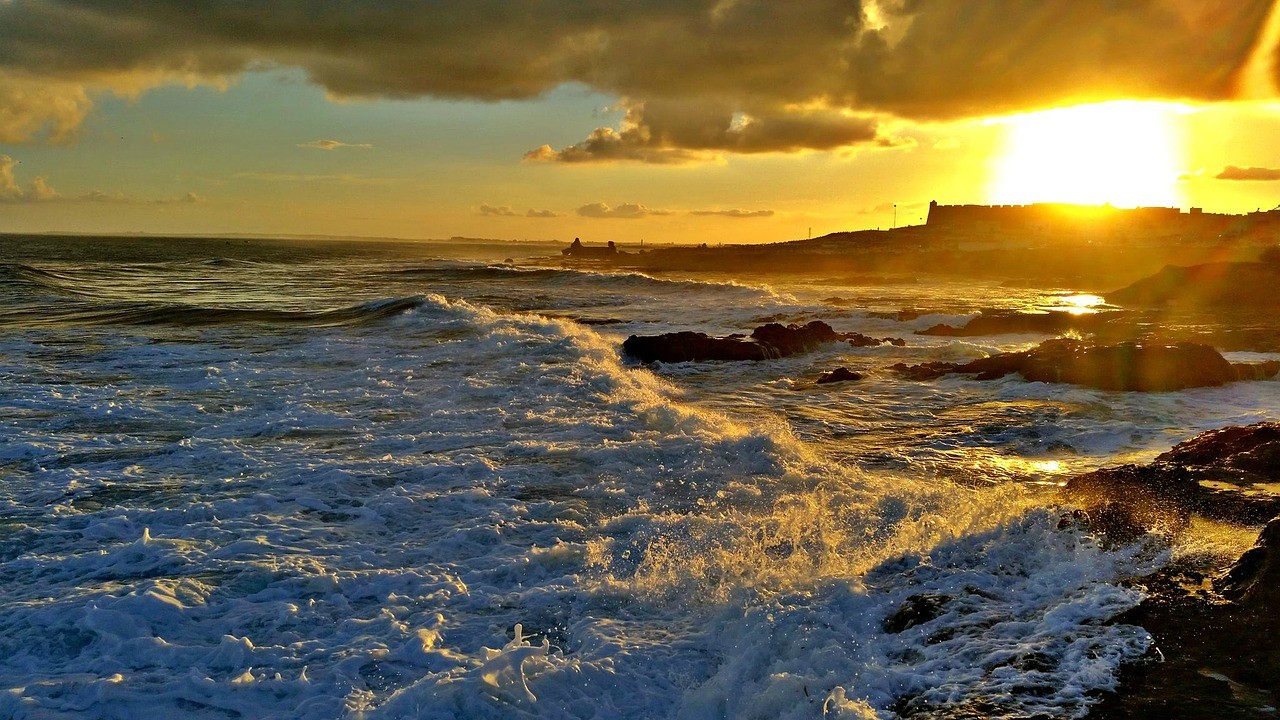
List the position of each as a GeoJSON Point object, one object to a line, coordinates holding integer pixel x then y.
{"type": "Point", "coordinates": [304, 479]}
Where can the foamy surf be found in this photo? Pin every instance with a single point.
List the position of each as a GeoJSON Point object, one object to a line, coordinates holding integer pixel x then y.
{"type": "Point", "coordinates": [454, 505]}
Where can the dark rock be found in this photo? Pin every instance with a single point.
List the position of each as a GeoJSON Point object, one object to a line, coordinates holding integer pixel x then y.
{"type": "Point", "coordinates": [1254, 580]}
{"type": "Point", "coordinates": [1125, 366]}
{"type": "Point", "coordinates": [1127, 501]}
{"type": "Point", "coordinates": [1219, 655]}
{"type": "Point", "coordinates": [860, 340]}
{"type": "Point", "coordinates": [917, 610]}
{"type": "Point", "coordinates": [794, 339]}
{"type": "Point", "coordinates": [1218, 638]}
{"type": "Point", "coordinates": [1253, 449]}
{"type": "Point", "coordinates": [772, 340]}
{"type": "Point", "coordinates": [1227, 284]}
{"type": "Point", "coordinates": [840, 374]}
{"type": "Point", "coordinates": [1003, 322]}
{"type": "Point", "coordinates": [690, 346]}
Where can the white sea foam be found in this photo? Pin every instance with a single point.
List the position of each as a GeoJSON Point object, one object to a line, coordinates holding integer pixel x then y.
{"type": "Point", "coordinates": [351, 522]}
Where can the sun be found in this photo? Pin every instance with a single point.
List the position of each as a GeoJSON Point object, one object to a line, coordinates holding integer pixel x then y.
{"type": "Point", "coordinates": [1124, 153]}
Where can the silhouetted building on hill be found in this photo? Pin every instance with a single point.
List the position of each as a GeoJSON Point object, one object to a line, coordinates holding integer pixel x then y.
{"type": "Point", "coordinates": [1061, 222]}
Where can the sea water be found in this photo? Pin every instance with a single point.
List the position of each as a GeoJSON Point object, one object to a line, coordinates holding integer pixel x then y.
{"type": "Point", "coordinates": [249, 479]}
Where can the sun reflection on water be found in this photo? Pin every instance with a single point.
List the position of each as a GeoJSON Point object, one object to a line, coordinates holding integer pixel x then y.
{"type": "Point", "coordinates": [1080, 303]}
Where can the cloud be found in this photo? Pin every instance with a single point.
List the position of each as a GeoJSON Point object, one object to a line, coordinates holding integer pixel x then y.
{"type": "Point", "coordinates": [506, 211]}
{"type": "Point", "coordinates": [40, 108]}
{"type": "Point", "coordinates": [12, 192]}
{"type": "Point", "coordinates": [1231, 172]}
{"type": "Point", "coordinates": [625, 211]}
{"type": "Point", "coordinates": [340, 179]}
{"type": "Point", "coordinates": [121, 198]}
{"type": "Point", "coordinates": [698, 80]}
{"type": "Point", "coordinates": [334, 145]}
{"type": "Point", "coordinates": [885, 208]}
{"type": "Point", "coordinates": [39, 191]}
{"type": "Point", "coordinates": [735, 213]}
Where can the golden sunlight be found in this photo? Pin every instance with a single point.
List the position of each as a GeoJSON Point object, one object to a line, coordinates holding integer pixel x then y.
{"type": "Point", "coordinates": [1124, 153]}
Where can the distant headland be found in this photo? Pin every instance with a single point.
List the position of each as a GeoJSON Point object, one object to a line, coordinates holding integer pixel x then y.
{"type": "Point", "coordinates": [1090, 244]}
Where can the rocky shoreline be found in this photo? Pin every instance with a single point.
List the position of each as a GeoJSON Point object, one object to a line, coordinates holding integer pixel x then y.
{"type": "Point", "coordinates": [1215, 629]}
{"type": "Point", "coordinates": [1213, 619]}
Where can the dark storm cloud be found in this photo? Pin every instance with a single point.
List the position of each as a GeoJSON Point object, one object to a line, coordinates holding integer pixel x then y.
{"type": "Point", "coordinates": [690, 130]}
{"type": "Point", "coordinates": [698, 78]}
{"type": "Point", "coordinates": [1231, 172]}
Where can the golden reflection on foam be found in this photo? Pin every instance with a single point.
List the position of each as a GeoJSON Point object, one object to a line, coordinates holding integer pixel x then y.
{"type": "Point", "coordinates": [995, 469]}
{"type": "Point", "coordinates": [1212, 544]}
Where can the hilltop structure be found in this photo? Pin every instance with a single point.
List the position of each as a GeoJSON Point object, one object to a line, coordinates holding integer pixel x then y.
{"type": "Point", "coordinates": [1089, 223]}
{"type": "Point", "coordinates": [578, 251]}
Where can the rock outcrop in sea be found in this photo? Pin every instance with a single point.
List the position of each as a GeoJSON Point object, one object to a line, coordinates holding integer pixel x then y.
{"type": "Point", "coordinates": [1124, 366]}
{"type": "Point", "coordinates": [772, 340]}
{"type": "Point", "coordinates": [1003, 322]}
{"type": "Point", "coordinates": [840, 374]}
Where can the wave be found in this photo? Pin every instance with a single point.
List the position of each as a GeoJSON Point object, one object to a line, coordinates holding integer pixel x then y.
{"type": "Point", "coordinates": [48, 280]}
{"type": "Point", "coordinates": [141, 314]}
{"type": "Point", "coordinates": [567, 277]}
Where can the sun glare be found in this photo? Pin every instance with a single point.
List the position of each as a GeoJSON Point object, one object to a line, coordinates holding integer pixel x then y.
{"type": "Point", "coordinates": [1124, 153]}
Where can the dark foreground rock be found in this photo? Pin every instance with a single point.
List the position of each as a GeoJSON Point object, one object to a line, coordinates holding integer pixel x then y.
{"type": "Point", "coordinates": [1124, 366]}
{"type": "Point", "coordinates": [840, 374]}
{"type": "Point", "coordinates": [1216, 634]}
{"type": "Point", "coordinates": [773, 340]}
{"type": "Point", "coordinates": [1218, 641]}
{"type": "Point", "coordinates": [1228, 284]}
{"type": "Point", "coordinates": [1211, 476]}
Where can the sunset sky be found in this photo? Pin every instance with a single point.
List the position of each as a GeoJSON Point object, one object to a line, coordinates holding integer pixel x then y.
{"type": "Point", "coordinates": [668, 120]}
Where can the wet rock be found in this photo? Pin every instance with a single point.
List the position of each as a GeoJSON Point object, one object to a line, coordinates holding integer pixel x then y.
{"type": "Point", "coordinates": [1219, 652]}
{"type": "Point", "coordinates": [1001, 322]}
{"type": "Point", "coordinates": [691, 346]}
{"type": "Point", "coordinates": [840, 374]}
{"type": "Point", "coordinates": [1124, 366]}
{"type": "Point", "coordinates": [1127, 501]}
{"type": "Point", "coordinates": [917, 610]}
{"type": "Point", "coordinates": [772, 340]}
{"type": "Point", "coordinates": [1217, 635]}
{"type": "Point", "coordinates": [1252, 450]}
{"type": "Point", "coordinates": [860, 340]}
{"type": "Point", "coordinates": [795, 339]}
